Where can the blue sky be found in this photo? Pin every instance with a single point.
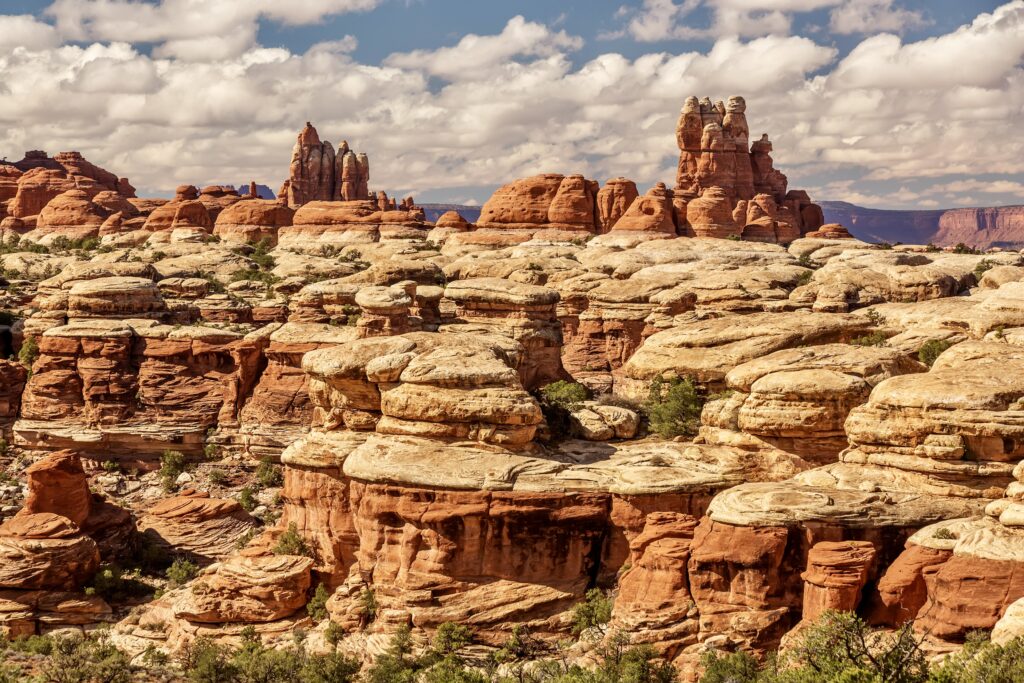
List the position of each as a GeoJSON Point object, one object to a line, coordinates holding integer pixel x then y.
{"type": "Point", "coordinates": [886, 103]}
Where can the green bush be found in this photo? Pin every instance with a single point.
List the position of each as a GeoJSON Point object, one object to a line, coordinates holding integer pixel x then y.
{"type": "Point", "coordinates": [732, 667]}
{"type": "Point", "coordinates": [85, 659]}
{"type": "Point", "coordinates": [982, 267]}
{"type": "Point", "coordinates": [333, 633]}
{"type": "Point", "coordinates": [206, 662]}
{"type": "Point", "coordinates": [172, 464]}
{"type": "Point", "coordinates": [368, 605]}
{"type": "Point", "coordinates": [673, 407]}
{"type": "Point", "coordinates": [594, 612]}
{"type": "Point", "coordinates": [397, 664]}
{"type": "Point", "coordinates": [839, 648]}
{"type": "Point", "coordinates": [317, 605]}
{"type": "Point", "coordinates": [873, 339]}
{"type": "Point", "coordinates": [268, 474]}
{"type": "Point", "coordinates": [217, 477]}
{"type": "Point", "coordinates": [247, 498]}
{"type": "Point", "coordinates": [557, 401]}
{"type": "Point", "coordinates": [981, 661]}
{"type": "Point", "coordinates": [962, 248]}
{"type": "Point", "coordinates": [931, 350]}
{"type": "Point", "coordinates": [450, 638]}
{"type": "Point", "coordinates": [291, 543]}
{"type": "Point", "coordinates": [181, 572]}
{"type": "Point", "coordinates": [29, 352]}
{"type": "Point", "coordinates": [567, 395]}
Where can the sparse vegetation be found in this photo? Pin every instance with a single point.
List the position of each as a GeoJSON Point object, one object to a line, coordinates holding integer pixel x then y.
{"type": "Point", "coordinates": [291, 543]}
{"type": "Point", "coordinates": [217, 477]}
{"type": "Point", "coordinates": [317, 605]}
{"type": "Point", "coordinates": [368, 605]}
{"type": "Point", "coordinates": [872, 339]}
{"type": "Point", "coordinates": [268, 474]}
{"type": "Point", "coordinates": [673, 407]}
{"type": "Point", "coordinates": [181, 572]}
{"type": "Point", "coordinates": [247, 498]}
{"type": "Point", "coordinates": [172, 464]}
{"type": "Point", "coordinates": [558, 400]}
{"type": "Point", "coordinates": [931, 350]}
{"type": "Point", "coordinates": [983, 266]}
{"type": "Point", "coordinates": [593, 613]}
{"type": "Point", "coordinates": [962, 248]}
{"type": "Point", "coordinates": [944, 534]}
{"type": "Point", "coordinates": [29, 352]}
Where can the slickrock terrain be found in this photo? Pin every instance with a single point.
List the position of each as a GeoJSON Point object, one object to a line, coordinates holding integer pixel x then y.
{"type": "Point", "coordinates": [695, 417]}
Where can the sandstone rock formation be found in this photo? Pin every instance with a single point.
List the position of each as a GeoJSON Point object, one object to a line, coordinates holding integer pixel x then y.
{"type": "Point", "coordinates": [716, 155]}
{"type": "Point", "coordinates": [317, 173]}
{"type": "Point", "coordinates": [543, 202]}
{"type": "Point", "coordinates": [252, 220]}
{"type": "Point", "coordinates": [797, 400]}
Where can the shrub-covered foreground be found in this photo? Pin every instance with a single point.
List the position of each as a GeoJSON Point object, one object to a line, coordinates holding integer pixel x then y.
{"type": "Point", "coordinates": [842, 648]}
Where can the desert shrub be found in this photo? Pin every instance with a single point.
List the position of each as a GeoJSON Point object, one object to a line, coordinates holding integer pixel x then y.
{"type": "Point", "coordinates": [567, 395]}
{"type": "Point", "coordinates": [368, 604]}
{"type": "Point", "coordinates": [873, 339]}
{"type": "Point", "coordinates": [244, 539]}
{"type": "Point", "coordinates": [247, 498]}
{"type": "Point", "coordinates": [37, 645]}
{"type": "Point", "coordinates": [557, 401]}
{"type": "Point", "coordinates": [962, 248]}
{"type": "Point", "coordinates": [172, 464]}
{"type": "Point", "coordinates": [217, 477]}
{"type": "Point", "coordinates": [396, 664]}
{"type": "Point", "coordinates": [268, 474]}
{"type": "Point", "coordinates": [982, 267]}
{"type": "Point", "coordinates": [112, 583]}
{"type": "Point", "coordinates": [291, 543]}
{"type": "Point", "coordinates": [317, 605]}
{"type": "Point", "coordinates": [450, 638]}
{"type": "Point", "coordinates": [29, 352]}
{"type": "Point", "coordinates": [333, 633]}
{"type": "Point", "coordinates": [944, 534]}
{"type": "Point", "coordinates": [839, 648]}
{"type": "Point", "coordinates": [804, 278]}
{"type": "Point", "coordinates": [181, 572]}
{"type": "Point", "coordinates": [594, 612]}
{"type": "Point", "coordinates": [673, 407]}
{"type": "Point", "coordinates": [730, 667]}
{"type": "Point", "coordinates": [981, 661]}
{"type": "Point", "coordinates": [85, 659]}
{"type": "Point", "coordinates": [256, 275]}
{"type": "Point", "coordinates": [203, 661]}
{"type": "Point", "coordinates": [931, 350]}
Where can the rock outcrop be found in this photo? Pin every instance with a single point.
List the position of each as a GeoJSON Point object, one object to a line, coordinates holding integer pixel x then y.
{"type": "Point", "coordinates": [318, 173]}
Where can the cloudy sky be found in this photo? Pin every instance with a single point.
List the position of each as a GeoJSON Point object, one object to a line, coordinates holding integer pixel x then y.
{"type": "Point", "coordinates": [884, 103]}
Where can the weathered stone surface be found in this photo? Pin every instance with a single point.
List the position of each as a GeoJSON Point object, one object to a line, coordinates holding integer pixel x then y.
{"type": "Point", "coordinates": [836, 572]}
{"type": "Point", "coordinates": [798, 399]}
{"type": "Point", "coordinates": [318, 173]}
{"type": "Point", "coordinates": [204, 528]}
{"type": "Point", "coordinates": [613, 200]}
{"type": "Point", "coordinates": [706, 350]}
{"type": "Point", "coordinates": [252, 220]}
{"type": "Point", "coordinates": [544, 202]}
{"type": "Point", "coordinates": [44, 550]}
{"type": "Point", "coordinates": [247, 587]}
